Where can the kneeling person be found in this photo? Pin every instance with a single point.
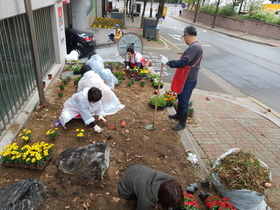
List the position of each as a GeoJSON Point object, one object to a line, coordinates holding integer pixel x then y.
{"type": "Point", "coordinates": [150, 187]}
{"type": "Point", "coordinates": [87, 104]}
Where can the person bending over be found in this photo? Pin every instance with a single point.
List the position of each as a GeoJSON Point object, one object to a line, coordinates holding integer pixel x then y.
{"type": "Point", "coordinates": [149, 187]}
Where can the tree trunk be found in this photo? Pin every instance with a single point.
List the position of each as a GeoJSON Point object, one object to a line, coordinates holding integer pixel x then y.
{"type": "Point", "coordinates": [143, 13]}
{"type": "Point", "coordinates": [196, 11]}
{"type": "Point", "coordinates": [215, 15]}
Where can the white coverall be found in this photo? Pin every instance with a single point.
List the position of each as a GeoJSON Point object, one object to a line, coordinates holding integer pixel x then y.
{"type": "Point", "coordinates": [96, 63]}
{"type": "Point", "coordinates": [109, 101]}
{"type": "Point", "coordinates": [78, 104]}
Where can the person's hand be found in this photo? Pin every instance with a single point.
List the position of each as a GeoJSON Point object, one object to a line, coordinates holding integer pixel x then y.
{"type": "Point", "coordinates": [127, 67]}
{"type": "Point", "coordinates": [163, 60]}
{"type": "Point", "coordinates": [97, 129]}
{"type": "Point", "coordinates": [102, 118]}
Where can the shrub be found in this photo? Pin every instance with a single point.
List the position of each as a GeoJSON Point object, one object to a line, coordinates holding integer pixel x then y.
{"type": "Point", "coordinates": [210, 8]}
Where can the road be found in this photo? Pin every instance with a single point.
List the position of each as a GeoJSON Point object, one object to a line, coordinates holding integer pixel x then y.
{"type": "Point", "coordinates": [229, 65]}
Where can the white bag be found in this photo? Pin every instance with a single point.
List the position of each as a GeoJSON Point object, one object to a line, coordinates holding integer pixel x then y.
{"type": "Point", "coordinates": [241, 199]}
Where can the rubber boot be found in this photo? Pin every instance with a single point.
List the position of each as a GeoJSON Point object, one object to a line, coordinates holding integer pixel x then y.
{"type": "Point", "coordinates": [177, 115]}
{"type": "Point", "coordinates": [182, 124]}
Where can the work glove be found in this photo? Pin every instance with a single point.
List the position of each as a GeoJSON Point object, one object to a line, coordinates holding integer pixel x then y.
{"type": "Point", "coordinates": [102, 118]}
{"type": "Point", "coordinates": [164, 60]}
{"type": "Point", "coordinates": [97, 129]}
{"type": "Point", "coordinates": [127, 67]}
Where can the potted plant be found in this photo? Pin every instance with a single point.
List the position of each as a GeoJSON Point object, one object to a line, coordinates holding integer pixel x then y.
{"type": "Point", "coordinates": [218, 203]}
{"type": "Point", "coordinates": [154, 76]}
{"type": "Point", "coordinates": [169, 98]}
{"type": "Point", "coordinates": [234, 175]}
{"type": "Point", "coordinates": [191, 111]}
{"type": "Point", "coordinates": [156, 83]}
{"type": "Point", "coordinates": [189, 203]}
{"type": "Point", "coordinates": [161, 102]}
{"type": "Point", "coordinates": [37, 155]}
{"type": "Point", "coordinates": [143, 73]}
{"type": "Point", "coordinates": [76, 69]}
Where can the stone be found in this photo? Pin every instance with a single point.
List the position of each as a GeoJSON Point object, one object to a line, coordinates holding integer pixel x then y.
{"type": "Point", "coordinates": [23, 194]}
{"type": "Point", "coordinates": [90, 161]}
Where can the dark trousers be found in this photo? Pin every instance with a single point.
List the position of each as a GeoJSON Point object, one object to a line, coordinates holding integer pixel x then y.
{"type": "Point", "coordinates": [185, 96]}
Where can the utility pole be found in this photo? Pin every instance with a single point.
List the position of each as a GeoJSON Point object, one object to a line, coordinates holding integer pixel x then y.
{"type": "Point", "coordinates": [151, 9]}
{"type": "Point", "coordinates": [38, 71]}
{"type": "Point", "coordinates": [124, 9]}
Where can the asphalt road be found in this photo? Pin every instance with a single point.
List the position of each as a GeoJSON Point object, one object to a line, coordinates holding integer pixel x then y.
{"type": "Point", "coordinates": [229, 65]}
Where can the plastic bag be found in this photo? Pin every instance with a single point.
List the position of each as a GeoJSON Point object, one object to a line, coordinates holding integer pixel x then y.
{"type": "Point", "coordinates": [241, 199]}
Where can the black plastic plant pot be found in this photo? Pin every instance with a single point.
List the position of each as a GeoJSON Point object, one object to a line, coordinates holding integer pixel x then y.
{"type": "Point", "coordinates": [203, 195]}
{"type": "Point", "coordinates": [194, 185]}
{"type": "Point", "coordinates": [205, 183]}
{"type": "Point", "coordinates": [190, 190]}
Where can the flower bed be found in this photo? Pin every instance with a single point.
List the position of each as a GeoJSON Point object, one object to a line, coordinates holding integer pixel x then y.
{"type": "Point", "coordinates": [34, 157]}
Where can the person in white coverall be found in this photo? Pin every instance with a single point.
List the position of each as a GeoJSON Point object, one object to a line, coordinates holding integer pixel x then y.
{"type": "Point", "coordinates": [96, 63]}
{"type": "Point", "coordinates": [87, 104]}
{"type": "Point", "coordinates": [109, 101]}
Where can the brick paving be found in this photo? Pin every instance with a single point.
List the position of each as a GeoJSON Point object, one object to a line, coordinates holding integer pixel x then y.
{"type": "Point", "coordinates": [223, 125]}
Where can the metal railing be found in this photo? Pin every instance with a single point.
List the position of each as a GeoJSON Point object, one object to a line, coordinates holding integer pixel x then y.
{"type": "Point", "coordinates": [17, 68]}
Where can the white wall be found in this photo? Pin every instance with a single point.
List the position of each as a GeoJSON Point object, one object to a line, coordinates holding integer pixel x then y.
{"type": "Point", "coordinates": [79, 18]}
{"type": "Point", "coordinates": [10, 8]}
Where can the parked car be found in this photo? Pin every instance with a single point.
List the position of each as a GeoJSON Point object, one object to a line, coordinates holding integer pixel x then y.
{"type": "Point", "coordinates": [81, 41]}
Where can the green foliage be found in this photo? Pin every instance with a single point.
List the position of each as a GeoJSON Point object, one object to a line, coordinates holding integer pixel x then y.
{"type": "Point", "coordinates": [118, 65]}
{"type": "Point", "coordinates": [76, 68]}
{"type": "Point", "coordinates": [161, 101]}
{"type": "Point", "coordinates": [227, 10]}
{"type": "Point", "coordinates": [210, 8]}
{"type": "Point", "coordinates": [191, 110]}
{"type": "Point", "coordinates": [263, 16]}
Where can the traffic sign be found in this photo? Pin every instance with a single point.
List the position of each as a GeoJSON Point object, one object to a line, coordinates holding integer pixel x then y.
{"type": "Point", "coordinates": [183, 5]}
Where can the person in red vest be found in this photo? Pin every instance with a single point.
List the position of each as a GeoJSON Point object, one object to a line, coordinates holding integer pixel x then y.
{"type": "Point", "coordinates": [134, 59]}
{"type": "Point", "coordinates": [185, 77]}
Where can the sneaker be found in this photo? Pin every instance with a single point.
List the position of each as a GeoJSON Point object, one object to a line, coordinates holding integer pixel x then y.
{"type": "Point", "coordinates": [57, 123]}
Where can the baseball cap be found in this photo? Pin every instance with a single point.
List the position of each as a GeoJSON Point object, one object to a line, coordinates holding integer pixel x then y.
{"type": "Point", "coordinates": [117, 26]}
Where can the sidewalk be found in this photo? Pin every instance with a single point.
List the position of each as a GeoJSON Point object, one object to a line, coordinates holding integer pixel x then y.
{"type": "Point", "coordinates": [225, 122]}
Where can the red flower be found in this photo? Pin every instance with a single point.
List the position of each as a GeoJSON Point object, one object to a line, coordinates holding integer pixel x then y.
{"type": "Point", "coordinates": [189, 202]}
{"type": "Point", "coordinates": [217, 203]}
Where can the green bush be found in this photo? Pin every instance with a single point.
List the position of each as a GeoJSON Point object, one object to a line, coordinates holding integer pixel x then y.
{"type": "Point", "coordinates": [263, 16]}
{"type": "Point", "coordinates": [227, 10]}
{"type": "Point", "coordinates": [210, 8]}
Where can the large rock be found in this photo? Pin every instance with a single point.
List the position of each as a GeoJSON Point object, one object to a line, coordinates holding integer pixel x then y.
{"type": "Point", "coordinates": [90, 161]}
{"type": "Point", "coordinates": [24, 194]}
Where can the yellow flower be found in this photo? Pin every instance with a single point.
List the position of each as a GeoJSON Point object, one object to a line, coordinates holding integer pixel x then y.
{"type": "Point", "coordinates": [33, 160]}
{"type": "Point", "coordinates": [77, 130]}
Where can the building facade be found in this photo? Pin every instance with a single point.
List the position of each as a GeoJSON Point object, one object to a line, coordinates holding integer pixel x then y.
{"type": "Point", "coordinates": [19, 72]}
